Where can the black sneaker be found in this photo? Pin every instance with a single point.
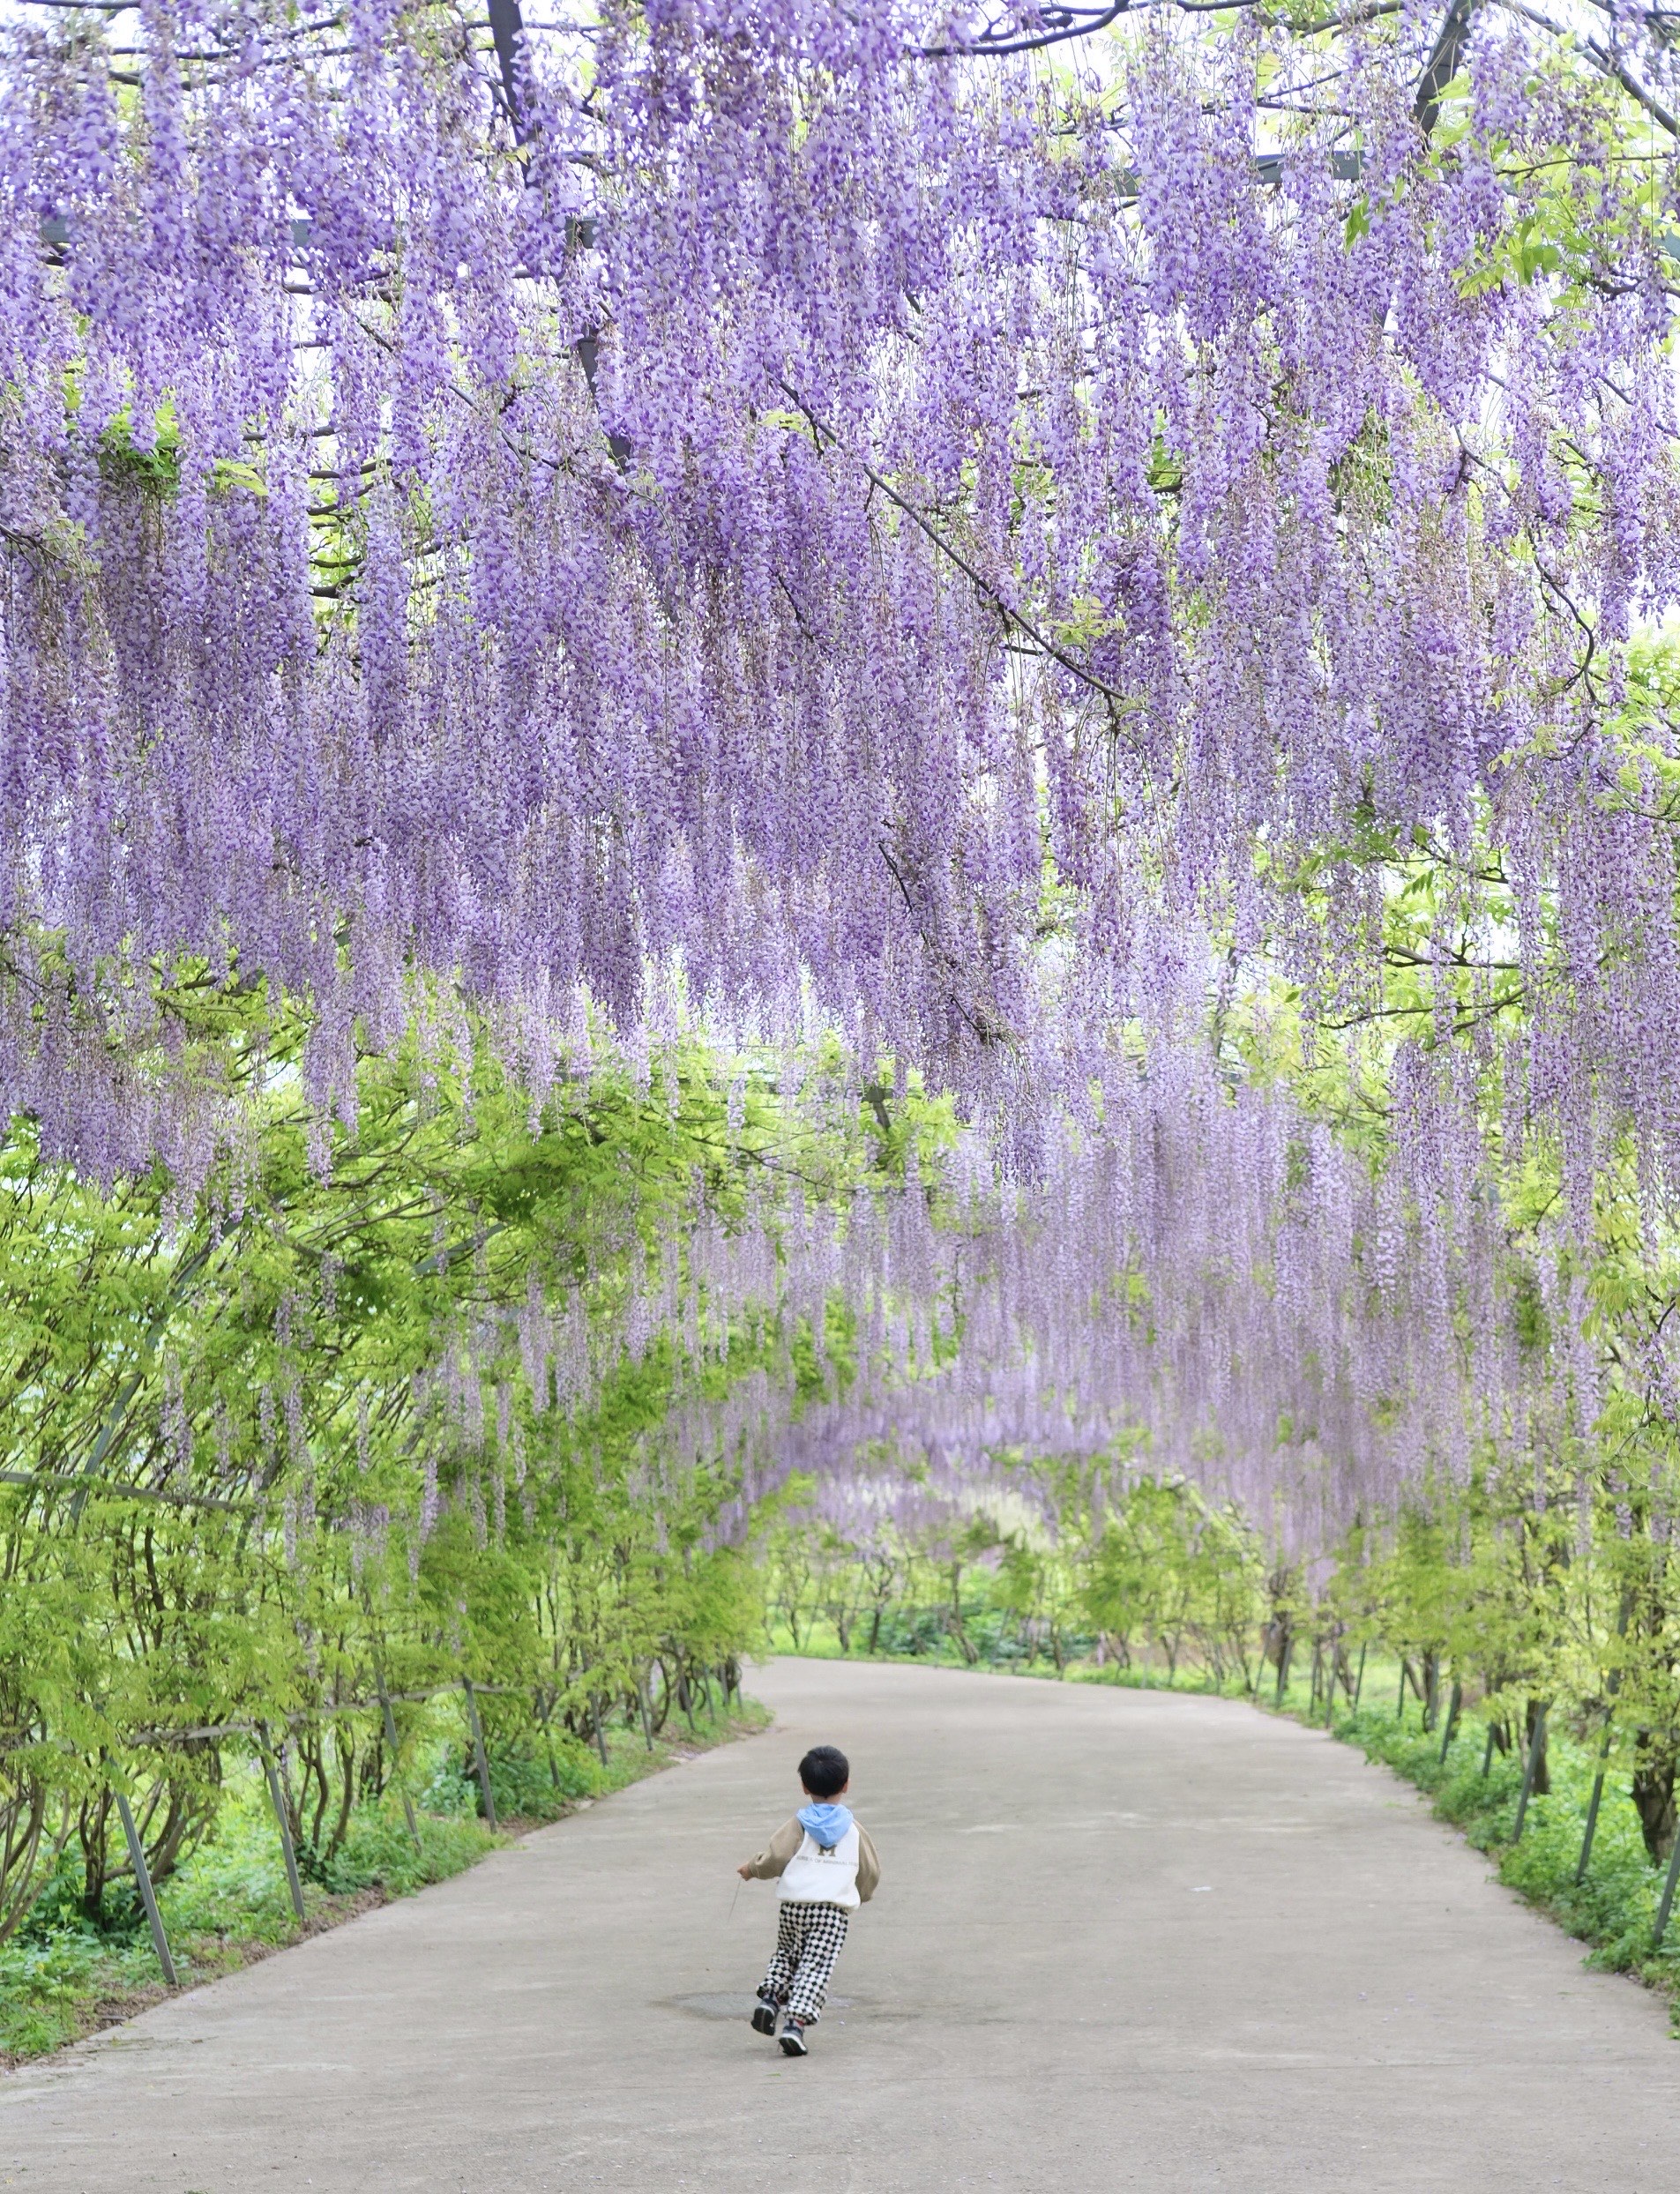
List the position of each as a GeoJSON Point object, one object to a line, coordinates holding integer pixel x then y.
{"type": "Point", "coordinates": [792, 2039]}
{"type": "Point", "coordinates": [765, 2015]}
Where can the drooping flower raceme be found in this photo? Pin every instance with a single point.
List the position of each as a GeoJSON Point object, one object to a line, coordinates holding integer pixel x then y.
{"type": "Point", "coordinates": [767, 515]}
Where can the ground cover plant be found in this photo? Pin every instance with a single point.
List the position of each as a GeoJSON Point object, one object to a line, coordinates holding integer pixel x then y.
{"type": "Point", "coordinates": [1612, 1907]}
{"type": "Point", "coordinates": [63, 1973]}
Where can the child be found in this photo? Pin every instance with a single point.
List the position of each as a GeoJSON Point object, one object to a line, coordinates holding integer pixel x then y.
{"type": "Point", "coordinates": [827, 1867]}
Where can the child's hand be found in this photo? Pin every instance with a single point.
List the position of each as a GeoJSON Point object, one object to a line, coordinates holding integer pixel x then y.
{"type": "Point", "coordinates": [745, 1872]}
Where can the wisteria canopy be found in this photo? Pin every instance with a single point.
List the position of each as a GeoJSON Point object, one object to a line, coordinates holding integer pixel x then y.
{"type": "Point", "coordinates": [1122, 577]}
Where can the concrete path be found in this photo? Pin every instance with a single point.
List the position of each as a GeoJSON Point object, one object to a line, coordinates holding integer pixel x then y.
{"type": "Point", "coordinates": [1123, 1940]}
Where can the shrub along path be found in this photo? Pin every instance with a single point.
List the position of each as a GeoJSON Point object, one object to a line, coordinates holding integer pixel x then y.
{"type": "Point", "coordinates": [1125, 1939]}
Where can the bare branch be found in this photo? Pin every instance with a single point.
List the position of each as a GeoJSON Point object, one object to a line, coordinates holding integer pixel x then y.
{"type": "Point", "coordinates": [983, 586]}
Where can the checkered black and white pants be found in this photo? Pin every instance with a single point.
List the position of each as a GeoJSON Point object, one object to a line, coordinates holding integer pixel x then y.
{"type": "Point", "coordinates": [809, 1940]}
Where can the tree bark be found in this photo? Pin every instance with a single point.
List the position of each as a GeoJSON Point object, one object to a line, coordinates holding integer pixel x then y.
{"type": "Point", "coordinates": [1654, 1799]}
{"type": "Point", "coordinates": [1542, 1782]}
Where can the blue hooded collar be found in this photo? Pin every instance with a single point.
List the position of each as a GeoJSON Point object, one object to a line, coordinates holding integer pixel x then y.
{"type": "Point", "coordinates": [824, 1823]}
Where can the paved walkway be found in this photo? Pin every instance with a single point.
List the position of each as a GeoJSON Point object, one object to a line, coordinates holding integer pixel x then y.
{"type": "Point", "coordinates": [1125, 1940]}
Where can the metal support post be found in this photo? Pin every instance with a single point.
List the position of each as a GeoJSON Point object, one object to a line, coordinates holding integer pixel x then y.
{"type": "Point", "coordinates": [1610, 1691]}
{"type": "Point", "coordinates": [1590, 1830]}
{"type": "Point", "coordinates": [1666, 1905]}
{"type": "Point", "coordinates": [1535, 1742]}
{"type": "Point", "coordinates": [148, 1896]}
{"type": "Point", "coordinates": [1487, 1753]}
{"type": "Point", "coordinates": [283, 1822]}
{"type": "Point", "coordinates": [1359, 1680]}
{"type": "Point", "coordinates": [479, 1756]}
{"type": "Point", "coordinates": [390, 1740]}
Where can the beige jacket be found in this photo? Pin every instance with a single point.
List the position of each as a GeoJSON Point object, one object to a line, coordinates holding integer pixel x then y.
{"type": "Point", "coordinates": [772, 1860]}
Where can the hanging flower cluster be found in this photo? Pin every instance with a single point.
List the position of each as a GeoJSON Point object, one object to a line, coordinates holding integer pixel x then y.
{"type": "Point", "coordinates": [792, 509]}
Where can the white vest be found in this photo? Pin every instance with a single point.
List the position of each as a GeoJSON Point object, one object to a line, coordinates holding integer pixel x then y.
{"type": "Point", "coordinates": [816, 1877]}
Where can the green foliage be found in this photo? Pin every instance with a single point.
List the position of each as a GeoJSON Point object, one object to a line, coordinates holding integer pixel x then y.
{"type": "Point", "coordinates": [228, 1902]}
{"type": "Point", "coordinates": [1543, 1575]}
{"type": "Point", "coordinates": [273, 1451]}
{"type": "Point", "coordinates": [1613, 1908]}
{"type": "Point", "coordinates": [1170, 1568]}
{"type": "Point", "coordinates": [1147, 1575]}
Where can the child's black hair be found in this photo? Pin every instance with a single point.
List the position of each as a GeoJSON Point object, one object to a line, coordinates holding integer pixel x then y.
{"type": "Point", "coordinates": [824, 1771]}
